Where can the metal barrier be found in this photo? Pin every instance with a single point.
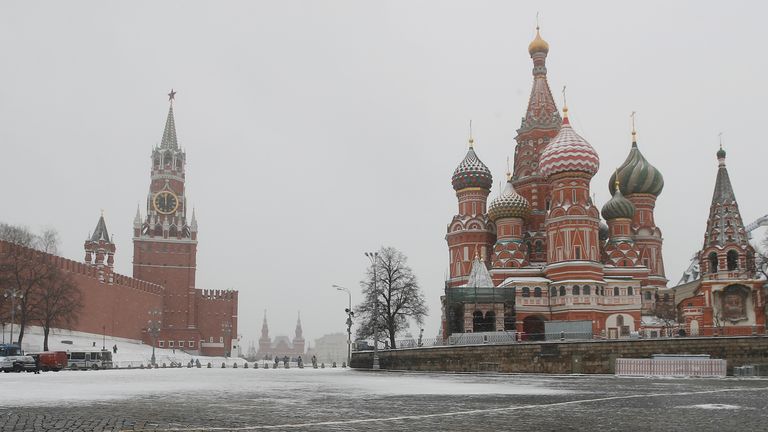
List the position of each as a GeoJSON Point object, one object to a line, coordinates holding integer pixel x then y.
{"type": "Point", "coordinates": [671, 368]}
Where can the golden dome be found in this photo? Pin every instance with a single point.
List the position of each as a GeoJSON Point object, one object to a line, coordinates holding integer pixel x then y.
{"type": "Point", "coordinates": [538, 44]}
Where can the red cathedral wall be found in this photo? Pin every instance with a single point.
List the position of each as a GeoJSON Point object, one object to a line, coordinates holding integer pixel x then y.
{"type": "Point", "coordinates": [118, 308]}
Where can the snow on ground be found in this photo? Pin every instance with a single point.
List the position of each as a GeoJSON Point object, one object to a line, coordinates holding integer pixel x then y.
{"type": "Point", "coordinates": [713, 406]}
{"type": "Point", "coordinates": [130, 352]}
{"type": "Point", "coordinates": [85, 387]}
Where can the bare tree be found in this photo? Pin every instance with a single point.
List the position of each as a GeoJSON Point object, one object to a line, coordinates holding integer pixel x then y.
{"type": "Point", "coordinates": [664, 309]}
{"type": "Point", "coordinates": [395, 294]}
{"type": "Point", "coordinates": [58, 301]}
{"type": "Point", "coordinates": [25, 269]}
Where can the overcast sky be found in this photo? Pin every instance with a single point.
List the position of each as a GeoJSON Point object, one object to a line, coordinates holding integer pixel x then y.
{"type": "Point", "coordinates": [316, 131]}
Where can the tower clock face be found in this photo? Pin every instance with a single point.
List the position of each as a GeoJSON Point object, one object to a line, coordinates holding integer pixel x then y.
{"type": "Point", "coordinates": [165, 202]}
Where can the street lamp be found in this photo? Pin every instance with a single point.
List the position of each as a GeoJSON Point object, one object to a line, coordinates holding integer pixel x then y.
{"type": "Point", "coordinates": [13, 294]}
{"type": "Point", "coordinates": [350, 314]}
{"type": "Point", "coordinates": [153, 325]}
{"type": "Point", "coordinates": [226, 327]}
{"type": "Point", "coordinates": [374, 257]}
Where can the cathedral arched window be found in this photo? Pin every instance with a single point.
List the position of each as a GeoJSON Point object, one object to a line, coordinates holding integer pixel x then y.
{"type": "Point", "coordinates": [539, 245]}
{"type": "Point", "coordinates": [552, 291]}
{"type": "Point", "coordinates": [616, 291]}
{"type": "Point", "coordinates": [587, 290]}
{"type": "Point", "coordinates": [647, 295]}
{"type": "Point", "coordinates": [620, 321]}
{"type": "Point", "coordinates": [526, 292]}
{"type": "Point", "coordinates": [173, 232]}
{"type": "Point", "coordinates": [168, 158]}
{"type": "Point", "coordinates": [712, 262]}
{"type": "Point", "coordinates": [537, 292]}
{"type": "Point", "coordinates": [630, 291]}
{"type": "Point", "coordinates": [733, 260]}
{"type": "Point", "coordinates": [576, 290]}
{"type": "Point", "coordinates": [562, 290]}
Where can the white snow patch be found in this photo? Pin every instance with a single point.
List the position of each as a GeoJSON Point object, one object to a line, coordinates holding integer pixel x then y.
{"type": "Point", "coordinates": [713, 406]}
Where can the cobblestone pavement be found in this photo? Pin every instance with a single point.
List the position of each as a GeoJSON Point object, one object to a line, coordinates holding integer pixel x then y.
{"type": "Point", "coordinates": [346, 400]}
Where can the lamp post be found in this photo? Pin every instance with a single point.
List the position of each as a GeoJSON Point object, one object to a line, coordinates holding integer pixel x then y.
{"type": "Point", "coordinates": [226, 327]}
{"type": "Point", "coordinates": [153, 325]}
{"type": "Point", "coordinates": [350, 314]}
{"type": "Point", "coordinates": [13, 294]}
{"type": "Point", "coordinates": [374, 257]}
{"type": "Point", "coordinates": [103, 338]}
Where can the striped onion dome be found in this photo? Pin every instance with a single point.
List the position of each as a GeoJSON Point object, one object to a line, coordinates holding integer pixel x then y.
{"type": "Point", "coordinates": [509, 204]}
{"type": "Point", "coordinates": [568, 152]}
{"type": "Point", "coordinates": [471, 172]}
{"type": "Point", "coordinates": [637, 175]}
{"type": "Point", "coordinates": [618, 207]}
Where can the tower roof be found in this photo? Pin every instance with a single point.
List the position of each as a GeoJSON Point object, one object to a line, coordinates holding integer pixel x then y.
{"type": "Point", "coordinates": [724, 225]}
{"type": "Point", "coordinates": [509, 204]}
{"type": "Point", "coordinates": [299, 332]}
{"type": "Point", "coordinates": [101, 233]}
{"type": "Point", "coordinates": [723, 193]}
{"type": "Point", "coordinates": [169, 140]}
{"type": "Point", "coordinates": [471, 172]}
{"type": "Point", "coordinates": [636, 174]}
{"type": "Point", "coordinates": [542, 113]}
{"type": "Point", "coordinates": [568, 151]}
{"type": "Point", "coordinates": [479, 276]}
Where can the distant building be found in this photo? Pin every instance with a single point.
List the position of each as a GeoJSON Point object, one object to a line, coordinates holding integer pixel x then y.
{"type": "Point", "coordinates": [282, 345]}
{"type": "Point", "coordinates": [331, 348]}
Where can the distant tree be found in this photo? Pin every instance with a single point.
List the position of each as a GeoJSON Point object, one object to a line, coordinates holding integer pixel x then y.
{"type": "Point", "coordinates": [664, 309]}
{"type": "Point", "coordinates": [25, 270]}
{"type": "Point", "coordinates": [397, 294]}
{"type": "Point", "coordinates": [58, 301]}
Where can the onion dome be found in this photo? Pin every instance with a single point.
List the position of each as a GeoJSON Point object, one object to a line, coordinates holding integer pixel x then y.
{"type": "Point", "coordinates": [721, 153]}
{"type": "Point", "coordinates": [636, 175]}
{"type": "Point", "coordinates": [509, 204]}
{"type": "Point", "coordinates": [568, 152]}
{"type": "Point", "coordinates": [618, 207]}
{"type": "Point", "coordinates": [471, 172]}
{"type": "Point", "coordinates": [538, 44]}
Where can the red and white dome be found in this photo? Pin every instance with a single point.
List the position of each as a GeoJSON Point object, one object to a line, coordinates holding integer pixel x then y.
{"type": "Point", "coordinates": [568, 152]}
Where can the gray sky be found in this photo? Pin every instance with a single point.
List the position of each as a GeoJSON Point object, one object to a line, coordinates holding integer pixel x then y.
{"type": "Point", "coordinates": [316, 131]}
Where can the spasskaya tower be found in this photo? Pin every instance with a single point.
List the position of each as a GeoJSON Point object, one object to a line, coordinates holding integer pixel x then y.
{"type": "Point", "coordinates": [165, 241]}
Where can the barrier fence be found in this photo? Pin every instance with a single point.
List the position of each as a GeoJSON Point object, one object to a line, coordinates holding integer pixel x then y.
{"type": "Point", "coordinates": [671, 368]}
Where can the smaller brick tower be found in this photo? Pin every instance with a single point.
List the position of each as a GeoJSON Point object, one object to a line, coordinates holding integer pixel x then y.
{"type": "Point", "coordinates": [730, 298]}
{"type": "Point", "coordinates": [508, 211]}
{"type": "Point", "coordinates": [298, 338]}
{"type": "Point", "coordinates": [470, 230]}
{"type": "Point", "coordinates": [100, 251]}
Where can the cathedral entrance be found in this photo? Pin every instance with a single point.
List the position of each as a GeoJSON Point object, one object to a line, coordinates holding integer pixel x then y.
{"type": "Point", "coordinates": [533, 327]}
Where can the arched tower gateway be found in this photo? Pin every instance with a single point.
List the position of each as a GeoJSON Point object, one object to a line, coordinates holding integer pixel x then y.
{"type": "Point", "coordinates": [641, 183]}
{"type": "Point", "coordinates": [470, 231]}
{"type": "Point", "coordinates": [539, 126]}
{"type": "Point", "coordinates": [165, 241]}
{"type": "Point", "coordinates": [573, 222]}
{"type": "Point", "coordinates": [729, 299]}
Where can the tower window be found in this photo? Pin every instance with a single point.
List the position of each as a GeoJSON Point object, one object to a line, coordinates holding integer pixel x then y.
{"type": "Point", "coordinates": [562, 290]}
{"type": "Point", "coordinates": [526, 292]}
{"type": "Point", "coordinates": [576, 290]}
{"type": "Point", "coordinates": [712, 262]}
{"type": "Point", "coordinates": [586, 290]}
{"type": "Point", "coordinates": [616, 291]}
{"type": "Point", "coordinates": [537, 292]}
{"type": "Point", "coordinates": [733, 260]}
{"type": "Point", "coordinates": [577, 252]}
{"type": "Point", "coordinates": [630, 291]}
{"type": "Point", "coordinates": [647, 295]}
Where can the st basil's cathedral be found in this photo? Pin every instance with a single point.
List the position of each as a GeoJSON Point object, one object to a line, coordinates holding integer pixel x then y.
{"type": "Point", "coordinates": [539, 251]}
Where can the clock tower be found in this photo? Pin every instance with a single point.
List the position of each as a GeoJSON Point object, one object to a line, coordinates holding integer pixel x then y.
{"type": "Point", "coordinates": [165, 240]}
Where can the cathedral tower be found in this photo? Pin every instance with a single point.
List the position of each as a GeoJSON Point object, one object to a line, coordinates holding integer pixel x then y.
{"type": "Point", "coordinates": [470, 231]}
{"type": "Point", "coordinates": [572, 224]}
{"type": "Point", "coordinates": [641, 183]}
{"type": "Point", "coordinates": [100, 251]}
{"type": "Point", "coordinates": [164, 242]}
{"type": "Point", "coordinates": [540, 125]}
